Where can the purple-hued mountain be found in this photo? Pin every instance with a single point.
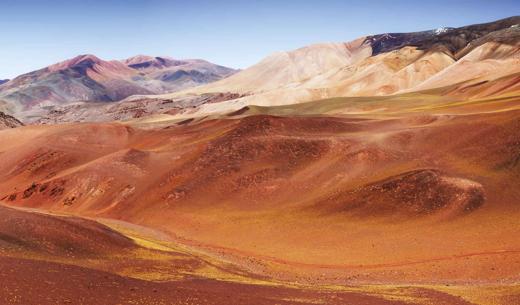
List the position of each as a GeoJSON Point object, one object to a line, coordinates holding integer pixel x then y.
{"type": "Point", "coordinates": [89, 78]}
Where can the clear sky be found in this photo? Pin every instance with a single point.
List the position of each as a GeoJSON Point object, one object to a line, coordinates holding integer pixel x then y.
{"type": "Point", "coordinates": [36, 33]}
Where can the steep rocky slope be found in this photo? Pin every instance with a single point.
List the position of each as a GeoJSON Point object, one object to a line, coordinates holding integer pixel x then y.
{"type": "Point", "coordinates": [7, 121]}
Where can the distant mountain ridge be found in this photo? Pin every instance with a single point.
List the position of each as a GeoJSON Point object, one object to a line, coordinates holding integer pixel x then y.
{"type": "Point", "coordinates": [183, 73]}
{"type": "Point", "coordinates": [89, 78]}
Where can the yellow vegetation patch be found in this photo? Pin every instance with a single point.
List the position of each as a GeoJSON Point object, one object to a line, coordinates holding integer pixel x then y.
{"type": "Point", "coordinates": [484, 295]}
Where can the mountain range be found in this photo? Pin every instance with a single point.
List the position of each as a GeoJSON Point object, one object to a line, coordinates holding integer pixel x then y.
{"type": "Point", "coordinates": [89, 78]}
{"type": "Point", "coordinates": [455, 62]}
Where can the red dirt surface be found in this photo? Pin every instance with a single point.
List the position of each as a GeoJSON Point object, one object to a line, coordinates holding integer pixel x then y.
{"type": "Point", "coordinates": [41, 283]}
{"type": "Point", "coordinates": [64, 237]}
{"type": "Point", "coordinates": [411, 199]}
{"type": "Point", "coordinates": [417, 192]}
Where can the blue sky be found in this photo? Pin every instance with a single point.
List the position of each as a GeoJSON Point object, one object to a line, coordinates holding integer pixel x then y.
{"type": "Point", "coordinates": [35, 34]}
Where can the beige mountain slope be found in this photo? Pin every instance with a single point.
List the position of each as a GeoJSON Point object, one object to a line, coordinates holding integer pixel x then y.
{"type": "Point", "coordinates": [291, 68]}
{"type": "Point", "coordinates": [387, 73]}
{"type": "Point", "coordinates": [377, 65]}
{"type": "Point", "coordinates": [401, 71]}
{"type": "Point", "coordinates": [288, 69]}
{"type": "Point", "coordinates": [488, 61]}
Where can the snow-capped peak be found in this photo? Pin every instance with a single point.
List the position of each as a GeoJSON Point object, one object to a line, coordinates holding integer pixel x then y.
{"type": "Point", "coordinates": [441, 30]}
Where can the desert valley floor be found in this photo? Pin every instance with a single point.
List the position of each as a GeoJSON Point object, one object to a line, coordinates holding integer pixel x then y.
{"type": "Point", "coordinates": [261, 206]}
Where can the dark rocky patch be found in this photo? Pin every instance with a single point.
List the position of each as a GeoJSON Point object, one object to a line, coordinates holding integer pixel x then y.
{"type": "Point", "coordinates": [451, 40]}
{"type": "Point", "coordinates": [418, 192]}
{"type": "Point", "coordinates": [7, 121]}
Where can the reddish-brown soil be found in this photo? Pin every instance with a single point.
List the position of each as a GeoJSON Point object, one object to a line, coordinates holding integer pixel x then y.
{"type": "Point", "coordinates": [39, 234]}
{"type": "Point", "coordinates": [40, 263]}
{"type": "Point", "coordinates": [427, 198]}
{"type": "Point", "coordinates": [40, 283]}
{"type": "Point", "coordinates": [418, 192]}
